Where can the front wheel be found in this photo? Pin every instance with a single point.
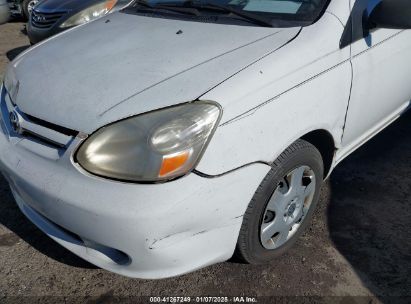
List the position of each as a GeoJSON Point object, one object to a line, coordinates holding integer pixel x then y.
{"type": "Point", "coordinates": [27, 7]}
{"type": "Point", "coordinates": [282, 205]}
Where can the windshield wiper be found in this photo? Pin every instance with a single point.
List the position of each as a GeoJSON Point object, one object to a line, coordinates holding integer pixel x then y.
{"type": "Point", "coordinates": [254, 18]}
{"type": "Point", "coordinates": [173, 8]}
{"type": "Point", "coordinates": [192, 8]}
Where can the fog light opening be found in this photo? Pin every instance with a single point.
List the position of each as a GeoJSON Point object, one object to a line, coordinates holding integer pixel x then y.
{"type": "Point", "coordinates": [106, 254]}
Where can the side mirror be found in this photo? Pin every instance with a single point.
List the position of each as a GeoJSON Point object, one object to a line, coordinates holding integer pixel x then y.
{"type": "Point", "coordinates": [394, 14]}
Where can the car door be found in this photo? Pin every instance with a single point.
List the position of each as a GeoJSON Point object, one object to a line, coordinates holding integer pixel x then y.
{"type": "Point", "coordinates": [381, 65]}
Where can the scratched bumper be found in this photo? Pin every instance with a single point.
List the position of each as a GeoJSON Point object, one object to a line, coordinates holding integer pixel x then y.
{"type": "Point", "coordinates": [163, 230]}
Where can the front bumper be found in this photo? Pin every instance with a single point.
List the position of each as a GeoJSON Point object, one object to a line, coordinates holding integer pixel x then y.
{"type": "Point", "coordinates": [37, 34]}
{"type": "Point", "coordinates": [137, 230]}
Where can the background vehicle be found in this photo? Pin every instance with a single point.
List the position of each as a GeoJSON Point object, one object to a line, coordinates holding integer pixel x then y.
{"type": "Point", "coordinates": [53, 16]}
{"type": "Point", "coordinates": [22, 7]}
{"type": "Point", "coordinates": [4, 11]}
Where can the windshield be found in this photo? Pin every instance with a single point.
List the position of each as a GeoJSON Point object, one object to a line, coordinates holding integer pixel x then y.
{"type": "Point", "coordinates": [272, 12]}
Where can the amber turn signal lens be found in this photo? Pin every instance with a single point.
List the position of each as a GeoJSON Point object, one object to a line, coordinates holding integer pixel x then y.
{"type": "Point", "coordinates": [173, 162]}
{"type": "Point", "coordinates": [110, 4]}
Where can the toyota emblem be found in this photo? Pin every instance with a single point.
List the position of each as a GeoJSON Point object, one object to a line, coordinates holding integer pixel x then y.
{"type": "Point", "coordinates": [15, 122]}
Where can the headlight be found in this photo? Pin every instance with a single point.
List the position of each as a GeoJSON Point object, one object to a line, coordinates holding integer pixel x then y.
{"type": "Point", "coordinates": [90, 13]}
{"type": "Point", "coordinates": [155, 146]}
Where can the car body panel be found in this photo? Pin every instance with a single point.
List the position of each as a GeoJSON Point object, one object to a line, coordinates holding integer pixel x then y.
{"type": "Point", "coordinates": [377, 80]}
{"type": "Point", "coordinates": [148, 72]}
{"type": "Point", "coordinates": [275, 83]}
{"type": "Point", "coordinates": [4, 11]}
{"type": "Point", "coordinates": [66, 5]}
{"type": "Point", "coordinates": [340, 9]}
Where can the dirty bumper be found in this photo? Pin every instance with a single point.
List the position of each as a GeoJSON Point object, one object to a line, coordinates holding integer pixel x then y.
{"type": "Point", "coordinates": [137, 230]}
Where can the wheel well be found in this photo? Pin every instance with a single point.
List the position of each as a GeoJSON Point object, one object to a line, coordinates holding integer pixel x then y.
{"type": "Point", "coordinates": [324, 142]}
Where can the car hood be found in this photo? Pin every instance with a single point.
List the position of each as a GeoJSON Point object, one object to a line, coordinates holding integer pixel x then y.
{"type": "Point", "coordinates": [64, 5]}
{"type": "Point", "coordinates": [124, 64]}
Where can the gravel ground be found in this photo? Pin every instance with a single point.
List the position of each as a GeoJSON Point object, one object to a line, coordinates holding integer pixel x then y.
{"type": "Point", "coordinates": [358, 245]}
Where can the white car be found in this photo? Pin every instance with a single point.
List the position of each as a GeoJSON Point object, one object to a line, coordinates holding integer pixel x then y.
{"type": "Point", "coordinates": [171, 135]}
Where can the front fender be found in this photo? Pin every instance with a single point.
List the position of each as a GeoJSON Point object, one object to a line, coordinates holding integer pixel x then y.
{"type": "Point", "coordinates": [302, 87]}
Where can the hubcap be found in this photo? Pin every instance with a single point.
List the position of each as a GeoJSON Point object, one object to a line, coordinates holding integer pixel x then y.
{"type": "Point", "coordinates": [31, 5]}
{"type": "Point", "coordinates": [287, 207]}
{"type": "Point", "coordinates": [291, 209]}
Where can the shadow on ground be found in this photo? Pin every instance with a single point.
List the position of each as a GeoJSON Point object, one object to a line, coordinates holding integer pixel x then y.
{"type": "Point", "coordinates": [15, 52]}
{"type": "Point", "coordinates": [16, 222]}
{"type": "Point", "coordinates": [369, 214]}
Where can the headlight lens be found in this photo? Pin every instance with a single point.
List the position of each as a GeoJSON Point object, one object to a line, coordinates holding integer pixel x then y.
{"type": "Point", "coordinates": [155, 146]}
{"type": "Point", "coordinates": [90, 13]}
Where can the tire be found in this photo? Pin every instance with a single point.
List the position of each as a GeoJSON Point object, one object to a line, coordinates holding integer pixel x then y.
{"type": "Point", "coordinates": [254, 245]}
